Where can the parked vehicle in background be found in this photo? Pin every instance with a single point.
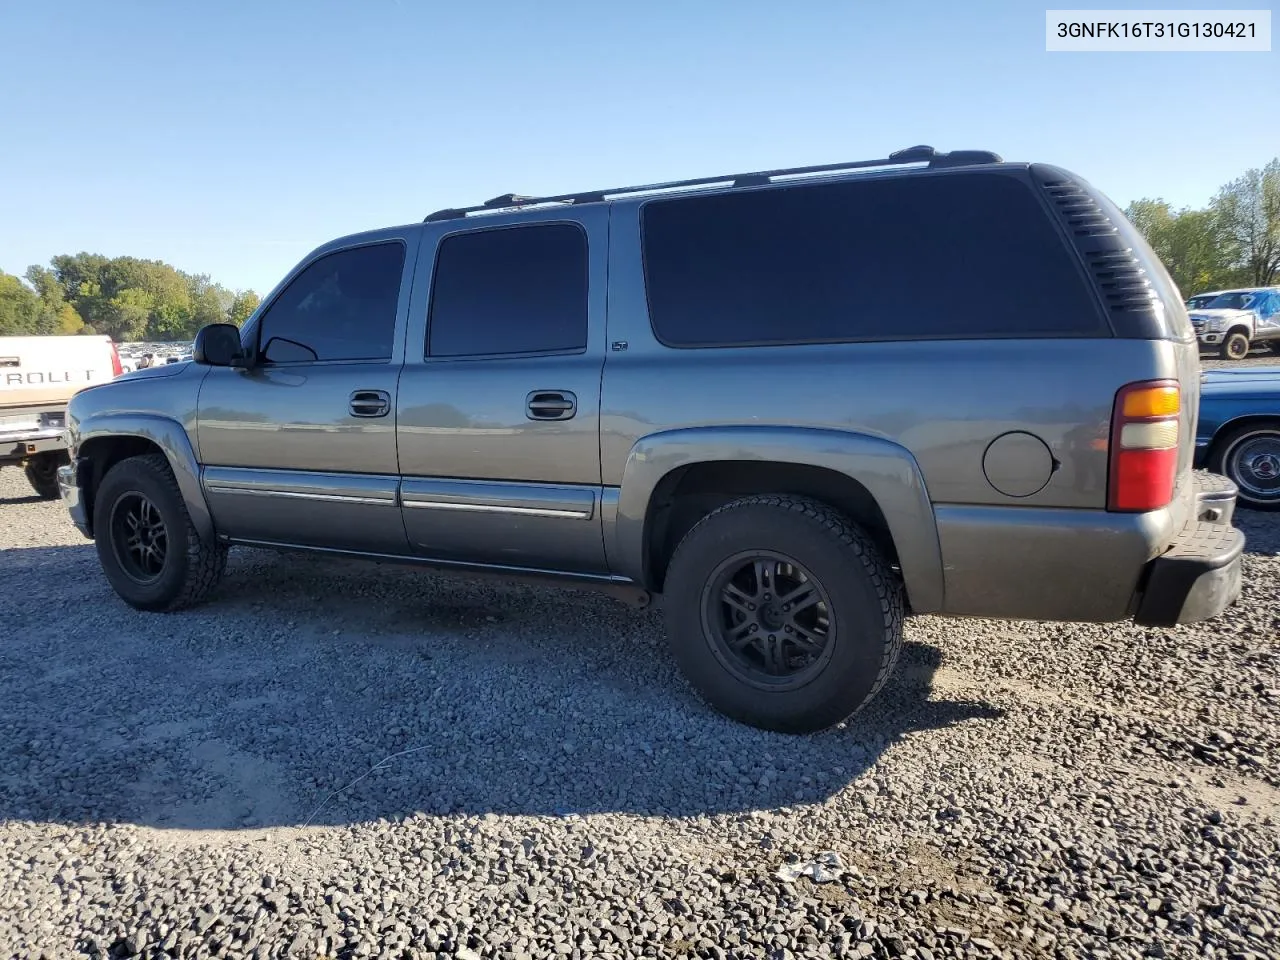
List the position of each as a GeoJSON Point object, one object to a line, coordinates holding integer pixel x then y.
{"type": "Point", "coordinates": [1234, 321]}
{"type": "Point", "coordinates": [1238, 432]}
{"type": "Point", "coordinates": [1201, 300]}
{"type": "Point", "coordinates": [38, 375]}
{"type": "Point", "coordinates": [695, 390]}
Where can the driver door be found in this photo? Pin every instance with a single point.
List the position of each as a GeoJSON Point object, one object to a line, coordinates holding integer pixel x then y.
{"type": "Point", "coordinates": [300, 449]}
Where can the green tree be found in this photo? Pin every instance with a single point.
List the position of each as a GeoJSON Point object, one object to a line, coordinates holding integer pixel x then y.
{"type": "Point", "coordinates": [125, 315]}
{"type": "Point", "coordinates": [242, 307]}
{"type": "Point", "coordinates": [1248, 214]}
{"type": "Point", "coordinates": [20, 308]}
{"type": "Point", "coordinates": [69, 322]}
{"type": "Point", "coordinates": [1188, 242]}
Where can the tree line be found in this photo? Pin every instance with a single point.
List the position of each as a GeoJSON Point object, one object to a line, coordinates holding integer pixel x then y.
{"type": "Point", "coordinates": [1234, 241]}
{"type": "Point", "coordinates": [126, 298]}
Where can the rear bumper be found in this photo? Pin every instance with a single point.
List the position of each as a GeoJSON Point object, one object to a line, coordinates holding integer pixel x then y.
{"type": "Point", "coordinates": [73, 496]}
{"type": "Point", "coordinates": [1199, 576]}
{"type": "Point", "coordinates": [1093, 566]}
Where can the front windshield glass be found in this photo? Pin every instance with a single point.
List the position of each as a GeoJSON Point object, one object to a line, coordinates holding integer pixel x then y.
{"type": "Point", "coordinates": [1230, 301]}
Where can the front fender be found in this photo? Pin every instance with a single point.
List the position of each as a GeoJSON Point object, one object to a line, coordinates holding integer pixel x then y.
{"type": "Point", "coordinates": [888, 471]}
{"type": "Point", "coordinates": [170, 436]}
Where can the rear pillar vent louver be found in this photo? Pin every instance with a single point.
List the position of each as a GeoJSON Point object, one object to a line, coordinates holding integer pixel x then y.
{"type": "Point", "coordinates": [1080, 211]}
{"type": "Point", "coordinates": [1122, 280]}
{"type": "Point", "coordinates": [1133, 290]}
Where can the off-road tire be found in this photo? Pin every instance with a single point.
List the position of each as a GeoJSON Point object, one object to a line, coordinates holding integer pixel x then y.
{"type": "Point", "coordinates": [866, 597]}
{"type": "Point", "coordinates": [1235, 347]}
{"type": "Point", "coordinates": [192, 567]}
{"type": "Point", "coordinates": [42, 473]}
{"type": "Point", "coordinates": [1225, 446]}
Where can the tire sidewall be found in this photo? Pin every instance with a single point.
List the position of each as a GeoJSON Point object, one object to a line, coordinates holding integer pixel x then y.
{"type": "Point", "coordinates": [1226, 346]}
{"type": "Point", "coordinates": [137, 477]}
{"type": "Point", "coordinates": [862, 632]}
{"type": "Point", "coordinates": [1228, 448]}
{"type": "Point", "coordinates": [42, 473]}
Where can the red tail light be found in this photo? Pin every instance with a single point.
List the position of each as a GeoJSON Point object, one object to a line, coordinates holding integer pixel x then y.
{"type": "Point", "coordinates": [116, 368]}
{"type": "Point", "coordinates": [1144, 446]}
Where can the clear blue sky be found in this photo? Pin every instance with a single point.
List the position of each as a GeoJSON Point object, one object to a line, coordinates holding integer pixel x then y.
{"type": "Point", "coordinates": [230, 138]}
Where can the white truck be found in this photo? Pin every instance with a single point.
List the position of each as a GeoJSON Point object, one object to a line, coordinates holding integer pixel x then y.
{"type": "Point", "coordinates": [38, 375]}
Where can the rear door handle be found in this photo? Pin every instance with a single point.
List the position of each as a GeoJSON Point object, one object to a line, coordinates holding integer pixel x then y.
{"type": "Point", "coordinates": [550, 405]}
{"type": "Point", "coordinates": [370, 403]}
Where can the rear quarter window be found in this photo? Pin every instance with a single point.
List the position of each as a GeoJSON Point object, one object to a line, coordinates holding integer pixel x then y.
{"type": "Point", "coordinates": [902, 258]}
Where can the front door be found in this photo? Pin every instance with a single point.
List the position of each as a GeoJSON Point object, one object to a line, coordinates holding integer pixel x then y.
{"type": "Point", "coordinates": [301, 448]}
{"type": "Point", "coordinates": [499, 405]}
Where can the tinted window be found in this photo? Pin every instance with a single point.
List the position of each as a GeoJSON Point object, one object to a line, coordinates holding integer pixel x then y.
{"type": "Point", "coordinates": [342, 307]}
{"type": "Point", "coordinates": [516, 290]}
{"type": "Point", "coordinates": [969, 255]}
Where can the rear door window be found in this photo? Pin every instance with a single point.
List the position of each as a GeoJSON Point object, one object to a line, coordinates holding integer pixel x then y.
{"type": "Point", "coordinates": [900, 258]}
{"type": "Point", "coordinates": [510, 290]}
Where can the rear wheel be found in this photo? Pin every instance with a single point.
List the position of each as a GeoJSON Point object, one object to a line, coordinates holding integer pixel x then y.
{"type": "Point", "coordinates": [42, 472]}
{"type": "Point", "coordinates": [1250, 456]}
{"type": "Point", "coordinates": [1235, 346]}
{"type": "Point", "coordinates": [146, 543]}
{"type": "Point", "coordinates": [782, 613]}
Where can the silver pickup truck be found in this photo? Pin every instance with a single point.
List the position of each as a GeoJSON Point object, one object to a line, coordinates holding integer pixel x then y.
{"type": "Point", "coordinates": [1233, 322]}
{"type": "Point", "coordinates": [794, 406]}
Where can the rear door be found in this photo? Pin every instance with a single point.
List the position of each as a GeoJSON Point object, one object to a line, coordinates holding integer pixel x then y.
{"type": "Point", "coordinates": [301, 449]}
{"type": "Point", "coordinates": [498, 413]}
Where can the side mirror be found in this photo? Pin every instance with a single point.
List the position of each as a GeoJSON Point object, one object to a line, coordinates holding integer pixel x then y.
{"type": "Point", "coordinates": [218, 345]}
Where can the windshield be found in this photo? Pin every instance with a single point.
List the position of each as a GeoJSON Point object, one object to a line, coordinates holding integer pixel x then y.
{"type": "Point", "coordinates": [1231, 301]}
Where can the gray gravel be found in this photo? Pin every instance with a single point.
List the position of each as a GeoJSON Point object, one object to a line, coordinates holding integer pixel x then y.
{"type": "Point", "coordinates": [1019, 790]}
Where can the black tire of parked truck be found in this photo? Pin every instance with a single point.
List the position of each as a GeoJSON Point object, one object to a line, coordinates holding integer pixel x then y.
{"type": "Point", "coordinates": [146, 542]}
{"type": "Point", "coordinates": [782, 613]}
{"type": "Point", "coordinates": [42, 473]}
{"type": "Point", "coordinates": [1235, 346]}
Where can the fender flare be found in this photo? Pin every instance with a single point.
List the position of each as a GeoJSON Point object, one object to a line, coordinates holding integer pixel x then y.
{"type": "Point", "coordinates": [171, 437]}
{"type": "Point", "coordinates": [887, 470]}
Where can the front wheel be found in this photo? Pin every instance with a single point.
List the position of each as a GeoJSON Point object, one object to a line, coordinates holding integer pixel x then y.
{"type": "Point", "coordinates": [146, 543]}
{"type": "Point", "coordinates": [1235, 347]}
{"type": "Point", "coordinates": [782, 613]}
{"type": "Point", "coordinates": [1250, 456]}
{"type": "Point", "coordinates": [42, 473]}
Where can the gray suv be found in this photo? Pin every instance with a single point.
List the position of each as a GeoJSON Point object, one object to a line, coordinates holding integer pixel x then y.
{"type": "Point", "coordinates": [794, 406]}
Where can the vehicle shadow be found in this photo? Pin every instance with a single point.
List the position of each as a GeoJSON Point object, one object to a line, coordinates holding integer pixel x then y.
{"type": "Point", "coordinates": [300, 676]}
{"type": "Point", "coordinates": [17, 501]}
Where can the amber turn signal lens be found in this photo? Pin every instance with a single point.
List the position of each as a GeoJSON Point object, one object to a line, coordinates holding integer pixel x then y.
{"type": "Point", "coordinates": [1152, 402]}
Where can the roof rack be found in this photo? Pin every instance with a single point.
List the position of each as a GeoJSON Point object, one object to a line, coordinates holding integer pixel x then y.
{"type": "Point", "coordinates": [919, 154]}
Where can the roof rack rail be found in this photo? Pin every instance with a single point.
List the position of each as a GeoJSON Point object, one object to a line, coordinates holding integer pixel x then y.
{"type": "Point", "coordinates": [917, 154]}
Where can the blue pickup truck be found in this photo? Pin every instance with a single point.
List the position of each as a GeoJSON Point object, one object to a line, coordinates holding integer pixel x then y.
{"type": "Point", "coordinates": [1238, 434]}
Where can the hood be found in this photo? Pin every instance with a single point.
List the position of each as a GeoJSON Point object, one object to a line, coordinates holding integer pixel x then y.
{"type": "Point", "coordinates": [162, 370]}
{"type": "Point", "coordinates": [1219, 314]}
{"type": "Point", "coordinates": [1249, 382]}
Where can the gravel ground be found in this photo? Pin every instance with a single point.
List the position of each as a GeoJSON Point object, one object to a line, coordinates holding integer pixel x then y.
{"type": "Point", "coordinates": [1260, 357]}
{"type": "Point", "coordinates": [544, 785]}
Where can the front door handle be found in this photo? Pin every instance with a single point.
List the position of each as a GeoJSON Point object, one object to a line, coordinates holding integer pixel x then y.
{"type": "Point", "coordinates": [550, 405]}
{"type": "Point", "coordinates": [370, 403]}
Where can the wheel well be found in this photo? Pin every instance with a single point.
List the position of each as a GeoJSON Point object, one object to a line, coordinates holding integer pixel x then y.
{"type": "Point", "coordinates": [687, 494]}
{"type": "Point", "coordinates": [1225, 431]}
{"type": "Point", "coordinates": [1239, 329]}
{"type": "Point", "coordinates": [103, 453]}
